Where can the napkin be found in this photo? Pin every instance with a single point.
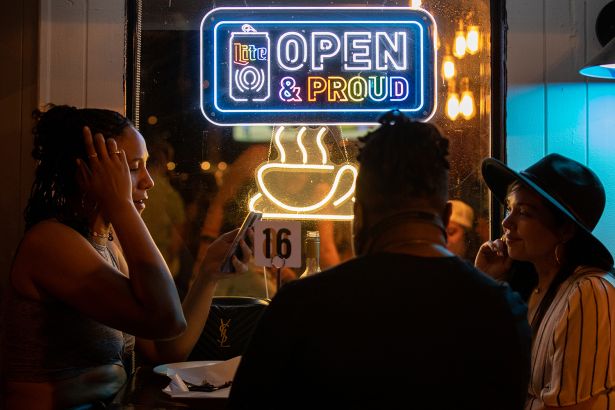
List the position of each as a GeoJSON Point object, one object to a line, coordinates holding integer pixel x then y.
{"type": "Point", "coordinates": [215, 374]}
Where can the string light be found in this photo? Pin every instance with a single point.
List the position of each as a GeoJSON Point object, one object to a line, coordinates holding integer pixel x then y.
{"type": "Point", "coordinates": [472, 40]}
{"type": "Point", "coordinates": [448, 67]}
{"type": "Point", "coordinates": [466, 105]}
{"type": "Point", "coordinates": [459, 47]}
{"type": "Point", "coordinates": [452, 106]}
{"type": "Point", "coordinates": [463, 42]}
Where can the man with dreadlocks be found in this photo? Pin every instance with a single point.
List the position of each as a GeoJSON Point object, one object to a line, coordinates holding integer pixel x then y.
{"type": "Point", "coordinates": [405, 324]}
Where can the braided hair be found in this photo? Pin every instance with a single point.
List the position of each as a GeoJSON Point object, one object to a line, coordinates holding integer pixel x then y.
{"type": "Point", "coordinates": [401, 161]}
{"type": "Point", "coordinates": [58, 142]}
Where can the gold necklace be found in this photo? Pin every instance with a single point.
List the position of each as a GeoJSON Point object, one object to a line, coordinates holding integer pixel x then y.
{"type": "Point", "coordinates": [108, 235]}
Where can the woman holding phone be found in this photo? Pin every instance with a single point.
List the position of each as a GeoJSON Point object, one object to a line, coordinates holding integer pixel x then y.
{"type": "Point", "coordinates": [87, 277]}
{"type": "Point", "coordinates": [552, 208]}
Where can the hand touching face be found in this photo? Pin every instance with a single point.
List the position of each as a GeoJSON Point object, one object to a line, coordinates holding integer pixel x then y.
{"type": "Point", "coordinates": [106, 179]}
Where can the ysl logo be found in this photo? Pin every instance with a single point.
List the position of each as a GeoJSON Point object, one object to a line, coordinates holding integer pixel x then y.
{"type": "Point", "coordinates": [223, 329]}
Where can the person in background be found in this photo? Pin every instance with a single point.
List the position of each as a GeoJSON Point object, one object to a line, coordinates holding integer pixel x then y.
{"type": "Point", "coordinates": [230, 202]}
{"type": "Point", "coordinates": [87, 277]}
{"type": "Point", "coordinates": [404, 324]}
{"type": "Point", "coordinates": [552, 208]}
{"type": "Point", "coordinates": [228, 208]}
{"type": "Point", "coordinates": [459, 228]}
{"type": "Point", "coordinates": [165, 215]}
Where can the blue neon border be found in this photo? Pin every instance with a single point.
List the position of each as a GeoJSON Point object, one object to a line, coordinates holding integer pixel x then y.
{"type": "Point", "coordinates": [313, 15]}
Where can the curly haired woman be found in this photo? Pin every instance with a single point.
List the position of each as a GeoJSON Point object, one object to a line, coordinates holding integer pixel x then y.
{"type": "Point", "coordinates": [87, 277]}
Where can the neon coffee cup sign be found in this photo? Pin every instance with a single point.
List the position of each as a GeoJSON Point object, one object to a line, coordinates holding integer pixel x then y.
{"type": "Point", "coordinates": [317, 65]}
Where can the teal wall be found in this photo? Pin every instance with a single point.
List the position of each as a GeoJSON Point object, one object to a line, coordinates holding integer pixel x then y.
{"type": "Point", "coordinates": [578, 122]}
{"type": "Point", "coordinates": [552, 108]}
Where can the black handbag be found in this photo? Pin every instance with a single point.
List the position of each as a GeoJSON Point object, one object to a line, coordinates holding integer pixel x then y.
{"type": "Point", "coordinates": [229, 326]}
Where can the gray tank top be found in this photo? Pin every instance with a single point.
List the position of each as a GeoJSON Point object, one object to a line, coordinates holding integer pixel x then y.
{"type": "Point", "coordinates": [49, 341]}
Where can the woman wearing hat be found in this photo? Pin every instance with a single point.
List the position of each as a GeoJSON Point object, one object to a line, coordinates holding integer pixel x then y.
{"type": "Point", "coordinates": [552, 208]}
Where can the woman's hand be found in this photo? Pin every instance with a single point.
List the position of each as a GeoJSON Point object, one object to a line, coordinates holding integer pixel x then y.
{"type": "Point", "coordinates": [107, 179]}
{"type": "Point", "coordinates": [197, 302]}
{"type": "Point", "coordinates": [217, 251]}
{"type": "Point", "coordinates": [492, 258]}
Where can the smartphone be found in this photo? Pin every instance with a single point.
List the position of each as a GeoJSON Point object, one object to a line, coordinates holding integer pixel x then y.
{"type": "Point", "coordinates": [235, 249]}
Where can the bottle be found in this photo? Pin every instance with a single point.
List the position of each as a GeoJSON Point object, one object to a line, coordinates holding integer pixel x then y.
{"type": "Point", "coordinates": [312, 254]}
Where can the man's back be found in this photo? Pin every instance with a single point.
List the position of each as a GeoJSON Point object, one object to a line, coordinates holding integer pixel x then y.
{"type": "Point", "coordinates": [384, 329]}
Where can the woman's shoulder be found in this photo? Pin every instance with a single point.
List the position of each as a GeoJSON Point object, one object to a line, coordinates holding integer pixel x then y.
{"type": "Point", "coordinates": [592, 282]}
{"type": "Point", "coordinates": [43, 233]}
{"type": "Point", "coordinates": [35, 254]}
{"type": "Point", "coordinates": [587, 296]}
{"type": "Point", "coordinates": [45, 237]}
{"type": "Point", "coordinates": [48, 226]}
{"type": "Point", "coordinates": [592, 273]}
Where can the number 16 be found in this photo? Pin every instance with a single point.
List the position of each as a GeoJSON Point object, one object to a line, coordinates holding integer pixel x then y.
{"type": "Point", "coordinates": [283, 246]}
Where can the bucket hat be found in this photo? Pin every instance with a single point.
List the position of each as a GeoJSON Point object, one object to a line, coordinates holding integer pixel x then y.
{"type": "Point", "coordinates": [571, 187]}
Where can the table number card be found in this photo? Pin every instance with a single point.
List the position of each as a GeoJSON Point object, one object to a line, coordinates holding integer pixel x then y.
{"type": "Point", "coordinates": [277, 243]}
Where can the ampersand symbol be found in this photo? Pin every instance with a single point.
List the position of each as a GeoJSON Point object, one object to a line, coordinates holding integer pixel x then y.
{"type": "Point", "coordinates": [288, 91]}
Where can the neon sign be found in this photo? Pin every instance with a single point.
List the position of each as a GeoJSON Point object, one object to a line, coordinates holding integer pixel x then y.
{"type": "Point", "coordinates": [316, 65]}
{"type": "Point", "coordinates": [303, 183]}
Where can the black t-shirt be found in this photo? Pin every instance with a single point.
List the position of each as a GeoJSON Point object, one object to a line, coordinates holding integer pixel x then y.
{"type": "Point", "coordinates": [389, 331]}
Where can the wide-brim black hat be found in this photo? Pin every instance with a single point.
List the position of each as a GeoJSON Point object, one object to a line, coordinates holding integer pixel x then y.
{"type": "Point", "coordinates": [569, 186]}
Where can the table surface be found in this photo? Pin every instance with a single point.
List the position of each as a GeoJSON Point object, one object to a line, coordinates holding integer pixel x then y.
{"type": "Point", "coordinates": [144, 391]}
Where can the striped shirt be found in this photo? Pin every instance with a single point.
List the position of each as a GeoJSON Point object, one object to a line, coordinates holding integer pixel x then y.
{"type": "Point", "coordinates": [573, 351]}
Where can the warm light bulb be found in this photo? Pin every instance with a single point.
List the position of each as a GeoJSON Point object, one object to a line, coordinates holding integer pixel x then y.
{"type": "Point", "coordinates": [466, 106]}
{"type": "Point", "coordinates": [472, 39]}
{"type": "Point", "coordinates": [205, 165]}
{"type": "Point", "coordinates": [452, 106]}
{"type": "Point", "coordinates": [448, 68]}
{"type": "Point", "coordinates": [459, 50]}
{"type": "Point", "coordinates": [415, 4]}
{"type": "Point", "coordinates": [171, 165]}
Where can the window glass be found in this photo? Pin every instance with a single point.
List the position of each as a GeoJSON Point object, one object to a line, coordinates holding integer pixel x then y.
{"type": "Point", "coordinates": [205, 174]}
